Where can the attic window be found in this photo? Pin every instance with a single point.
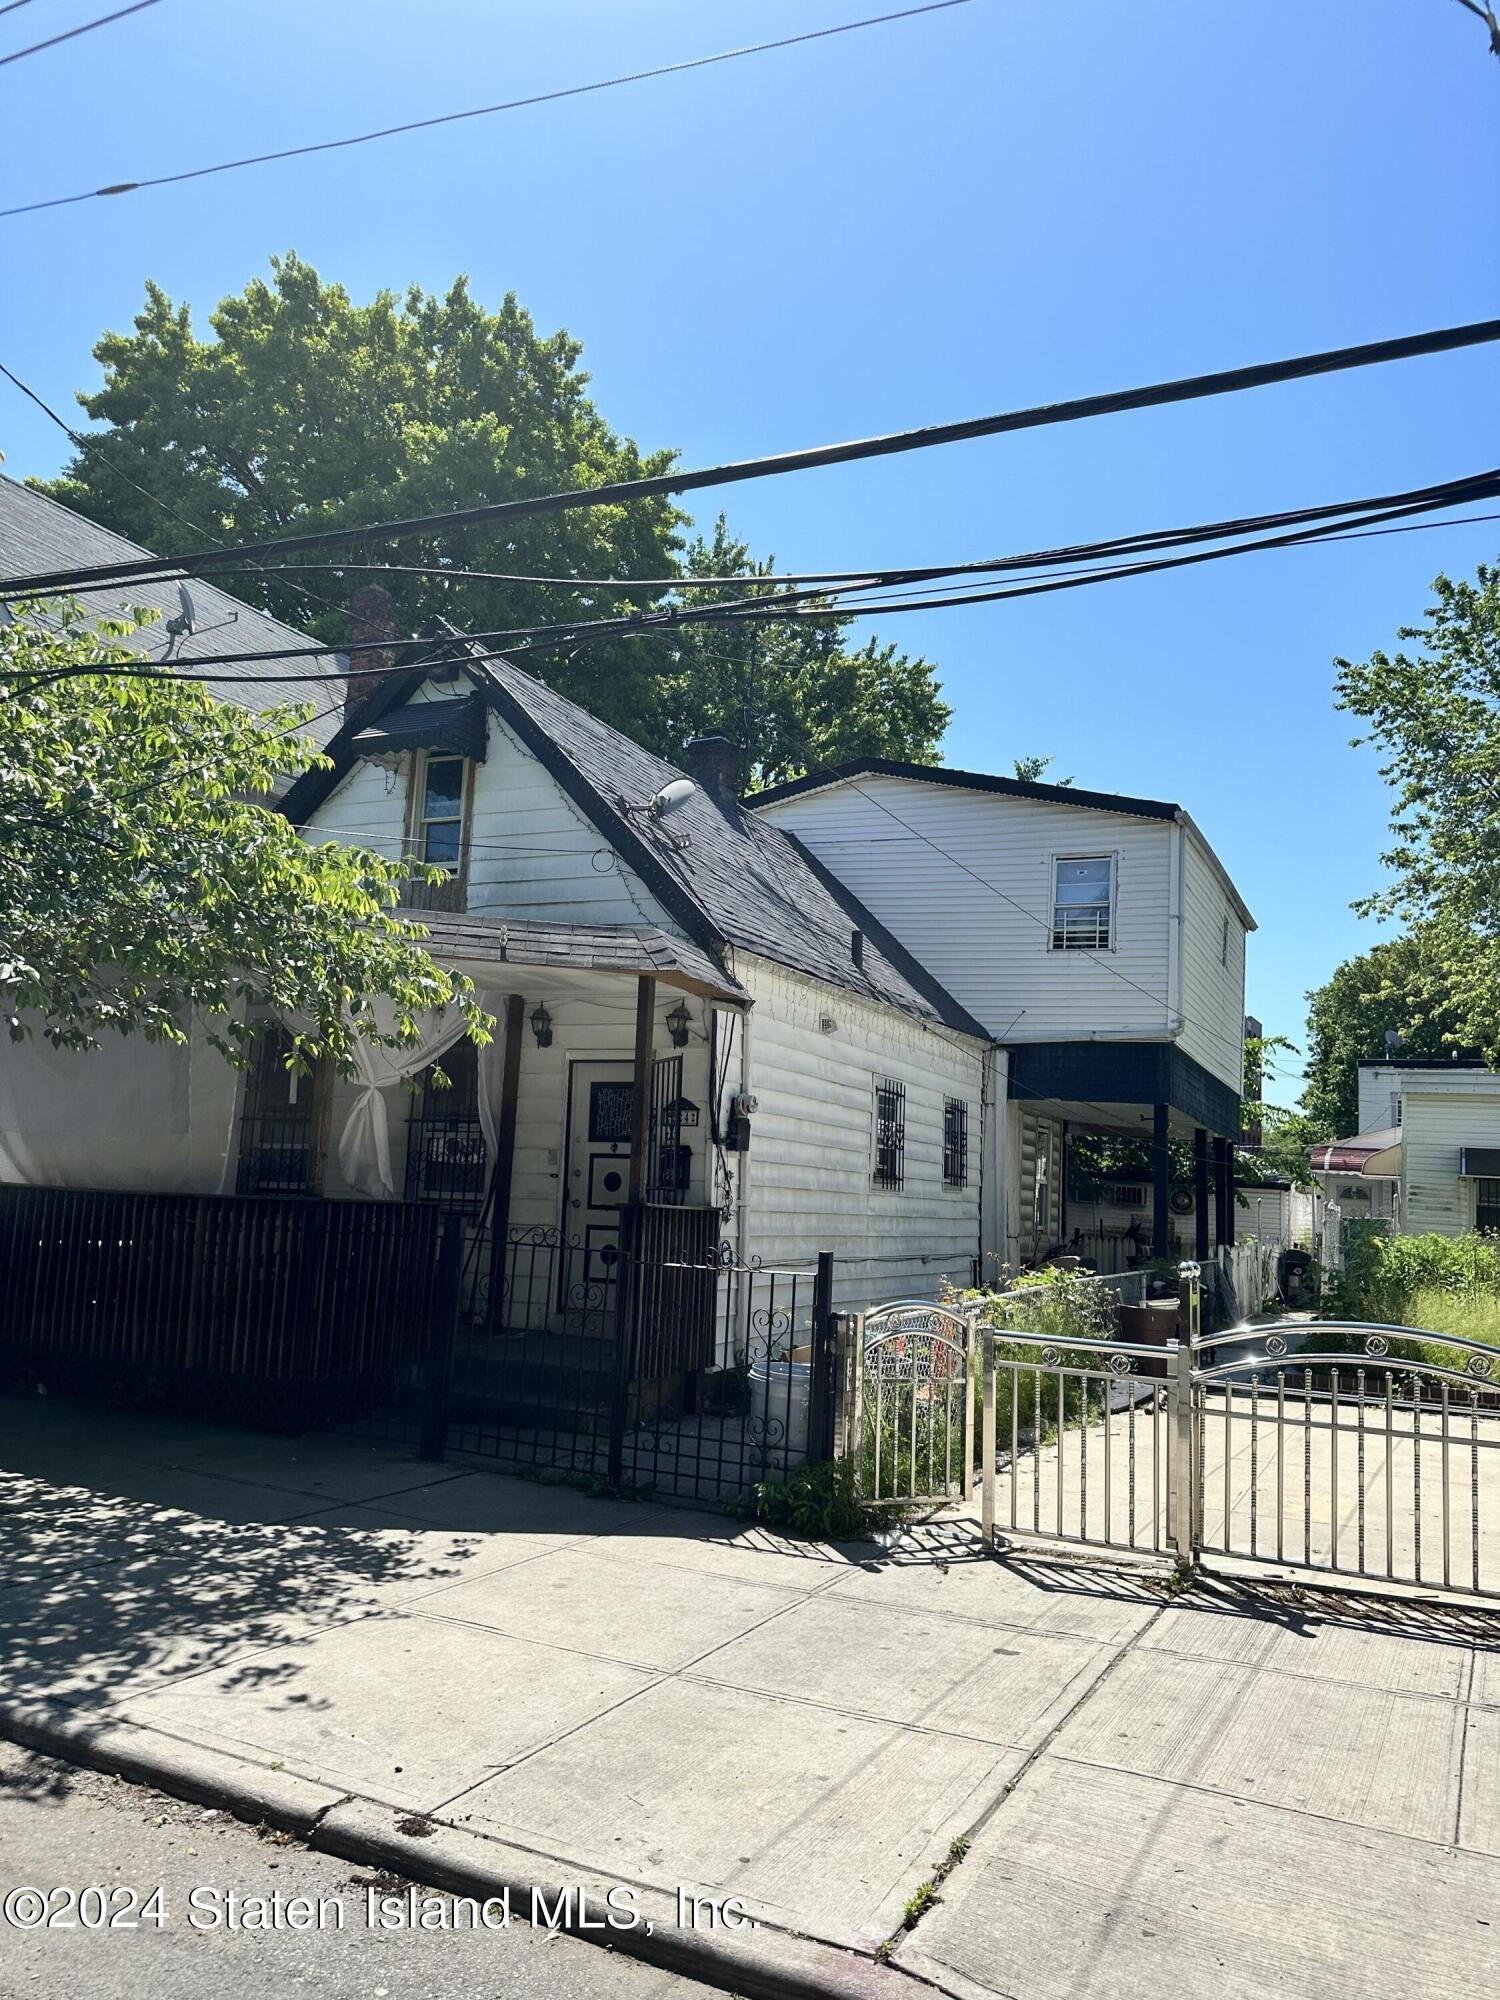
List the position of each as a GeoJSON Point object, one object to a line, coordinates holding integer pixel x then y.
{"type": "Point", "coordinates": [437, 834]}
{"type": "Point", "coordinates": [1082, 902]}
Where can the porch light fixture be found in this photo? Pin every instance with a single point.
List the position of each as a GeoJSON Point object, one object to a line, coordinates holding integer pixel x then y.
{"type": "Point", "coordinates": [678, 1023]}
{"type": "Point", "coordinates": [541, 1025]}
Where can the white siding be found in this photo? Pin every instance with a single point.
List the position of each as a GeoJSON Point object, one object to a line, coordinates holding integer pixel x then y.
{"type": "Point", "coordinates": [1379, 1099]}
{"type": "Point", "coordinates": [1438, 1116]}
{"type": "Point", "coordinates": [989, 941]}
{"type": "Point", "coordinates": [1213, 991]}
{"type": "Point", "coordinates": [808, 1174]}
{"type": "Point", "coordinates": [532, 852]}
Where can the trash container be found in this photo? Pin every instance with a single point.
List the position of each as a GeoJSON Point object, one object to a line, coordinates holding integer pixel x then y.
{"type": "Point", "coordinates": [781, 1401]}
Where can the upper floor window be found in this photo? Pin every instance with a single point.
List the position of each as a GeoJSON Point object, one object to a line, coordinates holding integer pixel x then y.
{"type": "Point", "coordinates": [1083, 895]}
{"type": "Point", "coordinates": [955, 1142]}
{"type": "Point", "coordinates": [440, 795]}
{"type": "Point", "coordinates": [890, 1133]}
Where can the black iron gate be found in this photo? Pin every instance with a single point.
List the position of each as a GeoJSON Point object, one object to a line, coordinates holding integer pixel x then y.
{"type": "Point", "coordinates": [661, 1362]}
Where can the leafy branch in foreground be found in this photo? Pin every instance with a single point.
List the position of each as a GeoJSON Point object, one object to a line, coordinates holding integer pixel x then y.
{"type": "Point", "coordinates": [143, 881]}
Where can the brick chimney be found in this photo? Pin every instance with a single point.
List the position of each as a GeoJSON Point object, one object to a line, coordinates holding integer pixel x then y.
{"type": "Point", "coordinates": [718, 766]}
{"type": "Point", "coordinates": [373, 617]}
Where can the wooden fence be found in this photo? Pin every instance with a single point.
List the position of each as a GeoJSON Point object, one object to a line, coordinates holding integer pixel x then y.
{"type": "Point", "coordinates": [276, 1312]}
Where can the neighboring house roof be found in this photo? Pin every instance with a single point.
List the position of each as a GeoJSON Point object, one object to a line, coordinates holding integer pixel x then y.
{"type": "Point", "coordinates": [37, 533]}
{"type": "Point", "coordinates": [739, 880]}
{"type": "Point", "coordinates": [1376, 1154]}
{"type": "Point", "coordinates": [577, 948]}
{"type": "Point", "coordinates": [1011, 788]}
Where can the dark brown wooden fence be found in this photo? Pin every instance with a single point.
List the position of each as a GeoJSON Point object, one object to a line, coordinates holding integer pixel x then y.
{"type": "Point", "coordinates": [277, 1312]}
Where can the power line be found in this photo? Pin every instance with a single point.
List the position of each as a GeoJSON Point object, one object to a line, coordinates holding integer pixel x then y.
{"type": "Point", "coordinates": [460, 117]}
{"type": "Point", "coordinates": [794, 605]}
{"type": "Point", "coordinates": [68, 35]}
{"type": "Point", "coordinates": [776, 465]}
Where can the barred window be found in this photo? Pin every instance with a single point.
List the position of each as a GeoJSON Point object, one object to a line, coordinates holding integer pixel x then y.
{"type": "Point", "coordinates": [1487, 1206]}
{"type": "Point", "coordinates": [955, 1142]}
{"type": "Point", "coordinates": [1082, 902]}
{"type": "Point", "coordinates": [890, 1133]}
{"type": "Point", "coordinates": [279, 1128]}
{"type": "Point", "coordinates": [447, 1161]}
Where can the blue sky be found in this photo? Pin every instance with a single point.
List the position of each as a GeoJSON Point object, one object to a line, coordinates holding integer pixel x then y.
{"type": "Point", "coordinates": [1007, 203]}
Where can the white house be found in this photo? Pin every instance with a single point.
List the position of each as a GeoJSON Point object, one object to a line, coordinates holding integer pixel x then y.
{"type": "Point", "coordinates": [1098, 939]}
{"type": "Point", "coordinates": [1426, 1157]}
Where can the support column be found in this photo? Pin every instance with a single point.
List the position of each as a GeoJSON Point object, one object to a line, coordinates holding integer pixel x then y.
{"type": "Point", "coordinates": [640, 1130]}
{"type": "Point", "coordinates": [503, 1170]}
{"type": "Point", "coordinates": [1200, 1195]}
{"type": "Point", "coordinates": [1229, 1203]}
{"type": "Point", "coordinates": [1221, 1178]}
{"type": "Point", "coordinates": [1161, 1182]}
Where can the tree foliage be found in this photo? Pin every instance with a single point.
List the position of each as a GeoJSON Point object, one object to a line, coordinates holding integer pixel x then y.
{"type": "Point", "coordinates": [1434, 714]}
{"type": "Point", "coordinates": [306, 410]}
{"type": "Point", "coordinates": [1384, 990]}
{"type": "Point", "coordinates": [141, 883]}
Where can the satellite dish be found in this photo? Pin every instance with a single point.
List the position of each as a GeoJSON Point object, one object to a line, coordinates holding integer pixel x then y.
{"type": "Point", "coordinates": [187, 617]}
{"type": "Point", "coordinates": [671, 798]}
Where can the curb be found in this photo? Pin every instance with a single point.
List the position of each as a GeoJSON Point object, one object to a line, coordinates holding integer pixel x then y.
{"type": "Point", "coordinates": [759, 1963]}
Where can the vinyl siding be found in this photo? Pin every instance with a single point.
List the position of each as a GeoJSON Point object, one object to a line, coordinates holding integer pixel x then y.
{"type": "Point", "coordinates": [1439, 1117]}
{"type": "Point", "coordinates": [1213, 993]}
{"type": "Point", "coordinates": [808, 1174]}
{"type": "Point", "coordinates": [989, 941]}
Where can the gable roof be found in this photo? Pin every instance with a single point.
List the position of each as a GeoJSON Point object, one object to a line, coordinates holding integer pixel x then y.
{"type": "Point", "coordinates": [1011, 788]}
{"type": "Point", "coordinates": [967, 781]}
{"type": "Point", "coordinates": [38, 533]}
{"type": "Point", "coordinates": [739, 880]}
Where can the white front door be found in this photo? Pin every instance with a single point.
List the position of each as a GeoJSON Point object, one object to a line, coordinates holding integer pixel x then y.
{"type": "Point", "coordinates": [601, 1112]}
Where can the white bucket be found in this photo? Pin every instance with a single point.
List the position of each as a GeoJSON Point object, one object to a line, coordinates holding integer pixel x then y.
{"type": "Point", "coordinates": [781, 1403]}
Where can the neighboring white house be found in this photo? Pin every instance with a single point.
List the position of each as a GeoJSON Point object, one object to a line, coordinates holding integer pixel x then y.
{"type": "Point", "coordinates": [1426, 1157]}
{"type": "Point", "coordinates": [1098, 939]}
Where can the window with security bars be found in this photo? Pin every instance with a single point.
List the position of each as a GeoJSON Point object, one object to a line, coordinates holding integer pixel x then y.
{"type": "Point", "coordinates": [1082, 902]}
{"type": "Point", "coordinates": [955, 1142]}
{"type": "Point", "coordinates": [447, 1161]}
{"type": "Point", "coordinates": [278, 1151]}
{"type": "Point", "coordinates": [1487, 1205]}
{"type": "Point", "coordinates": [890, 1133]}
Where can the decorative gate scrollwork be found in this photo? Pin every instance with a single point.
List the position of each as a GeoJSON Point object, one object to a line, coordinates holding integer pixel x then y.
{"type": "Point", "coordinates": [913, 1434]}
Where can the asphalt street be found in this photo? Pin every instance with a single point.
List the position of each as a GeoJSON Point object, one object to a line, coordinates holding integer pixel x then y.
{"type": "Point", "coordinates": [62, 1828]}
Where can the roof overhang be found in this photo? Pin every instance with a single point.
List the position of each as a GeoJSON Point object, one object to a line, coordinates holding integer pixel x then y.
{"type": "Point", "coordinates": [481, 945]}
{"type": "Point", "coordinates": [458, 726]}
{"type": "Point", "coordinates": [1367, 1156]}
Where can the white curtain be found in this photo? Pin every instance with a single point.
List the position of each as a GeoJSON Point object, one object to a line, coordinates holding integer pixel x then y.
{"type": "Point", "coordinates": [365, 1142]}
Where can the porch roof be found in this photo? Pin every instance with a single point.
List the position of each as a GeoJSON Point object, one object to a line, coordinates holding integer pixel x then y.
{"type": "Point", "coordinates": [624, 948]}
{"type": "Point", "coordinates": [1370, 1155]}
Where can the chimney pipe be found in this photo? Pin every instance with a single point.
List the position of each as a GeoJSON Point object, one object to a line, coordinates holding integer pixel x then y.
{"type": "Point", "coordinates": [718, 766]}
{"type": "Point", "coordinates": [857, 947]}
{"type": "Point", "coordinates": [373, 617]}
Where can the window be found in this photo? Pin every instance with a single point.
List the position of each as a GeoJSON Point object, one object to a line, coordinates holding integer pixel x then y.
{"type": "Point", "coordinates": [439, 791]}
{"type": "Point", "coordinates": [279, 1128]}
{"type": "Point", "coordinates": [1487, 1205]}
{"type": "Point", "coordinates": [446, 1158]}
{"type": "Point", "coordinates": [1041, 1186]}
{"type": "Point", "coordinates": [890, 1133]}
{"type": "Point", "coordinates": [1082, 902]}
{"type": "Point", "coordinates": [955, 1142]}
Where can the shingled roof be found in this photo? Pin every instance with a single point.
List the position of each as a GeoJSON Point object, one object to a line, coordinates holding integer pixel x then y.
{"type": "Point", "coordinates": [37, 533]}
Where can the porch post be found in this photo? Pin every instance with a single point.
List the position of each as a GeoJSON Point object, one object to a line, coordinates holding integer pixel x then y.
{"type": "Point", "coordinates": [640, 1130]}
{"type": "Point", "coordinates": [1161, 1186]}
{"type": "Point", "coordinates": [503, 1170]}
{"type": "Point", "coordinates": [1229, 1192]}
{"type": "Point", "coordinates": [1220, 1181]}
{"type": "Point", "coordinates": [1200, 1194]}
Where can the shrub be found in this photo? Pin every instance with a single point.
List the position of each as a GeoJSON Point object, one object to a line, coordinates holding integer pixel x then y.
{"type": "Point", "coordinates": [818, 1501]}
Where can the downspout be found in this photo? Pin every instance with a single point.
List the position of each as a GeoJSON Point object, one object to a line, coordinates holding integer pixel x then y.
{"type": "Point", "coordinates": [1175, 1021]}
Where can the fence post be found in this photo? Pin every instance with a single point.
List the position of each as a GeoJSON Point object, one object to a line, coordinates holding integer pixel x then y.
{"type": "Point", "coordinates": [987, 1483]}
{"type": "Point", "coordinates": [1182, 1495]}
{"type": "Point", "coordinates": [969, 1373]}
{"type": "Point", "coordinates": [438, 1360]}
{"type": "Point", "coordinates": [820, 1416]}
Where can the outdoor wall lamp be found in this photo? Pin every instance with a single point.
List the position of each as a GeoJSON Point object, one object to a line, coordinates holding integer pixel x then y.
{"type": "Point", "coordinates": [678, 1024]}
{"type": "Point", "coordinates": [541, 1025]}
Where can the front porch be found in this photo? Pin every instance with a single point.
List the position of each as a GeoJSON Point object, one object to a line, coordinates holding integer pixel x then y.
{"type": "Point", "coordinates": [1163, 1190]}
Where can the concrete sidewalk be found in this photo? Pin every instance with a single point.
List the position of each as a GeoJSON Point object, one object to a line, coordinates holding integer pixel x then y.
{"type": "Point", "coordinates": [1216, 1794]}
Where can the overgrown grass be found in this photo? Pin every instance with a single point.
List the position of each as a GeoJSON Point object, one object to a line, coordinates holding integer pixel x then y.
{"type": "Point", "coordinates": [1439, 1284]}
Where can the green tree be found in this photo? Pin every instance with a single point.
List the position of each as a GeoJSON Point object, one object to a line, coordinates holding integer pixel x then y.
{"type": "Point", "coordinates": [1383, 990]}
{"type": "Point", "coordinates": [1434, 715]}
{"type": "Point", "coordinates": [306, 410]}
{"type": "Point", "coordinates": [1033, 771]}
{"type": "Point", "coordinates": [141, 883]}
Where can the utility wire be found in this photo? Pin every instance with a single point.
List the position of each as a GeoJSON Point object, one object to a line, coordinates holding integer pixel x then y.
{"type": "Point", "coordinates": [460, 117]}
{"type": "Point", "coordinates": [69, 34]}
{"type": "Point", "coordinates": [794, 605]}
{"type": "Point", "coordinates": [1191, 388]}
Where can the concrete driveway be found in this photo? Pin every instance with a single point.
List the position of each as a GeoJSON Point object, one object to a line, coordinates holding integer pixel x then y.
{"type": "Point", "coordinates": [1221, 1794]}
